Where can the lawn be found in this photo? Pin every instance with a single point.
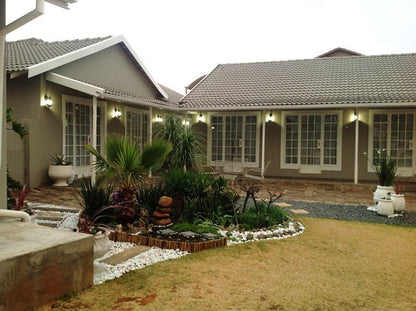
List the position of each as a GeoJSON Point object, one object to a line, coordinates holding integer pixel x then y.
{"type": "Point", "coordinates": [334, 265]}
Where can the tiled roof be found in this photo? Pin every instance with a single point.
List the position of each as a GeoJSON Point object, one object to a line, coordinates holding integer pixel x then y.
{"type": "Point", "coordinates": [162, 103]}
{"type": "Point", "coordinates": [339, 80]}
{"type": "Point", "coordinates": [173, 96]}
{"type": "Point", "coordinates": [25, 53]}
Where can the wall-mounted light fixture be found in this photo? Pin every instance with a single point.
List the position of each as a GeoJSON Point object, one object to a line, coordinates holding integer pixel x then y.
{"type": "Point", "coordinates": [116, 113]}
{"type": "Point", "coordinates": [159, 118]}
{"type": "Point", "coordinates": [200, 117]}
{"type": "Point", "coordinates": [185, 122]}
{"type": "Point", "coordinates": [270, 117]}
{"type": "Point", "coordinates": [354, 116]}
{"type": "Point", "coordinates": [46, 102]}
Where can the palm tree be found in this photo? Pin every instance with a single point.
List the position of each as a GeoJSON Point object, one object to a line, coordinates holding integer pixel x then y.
{"type": "Point", "coordinates": [186, 142]}
{"type": "Point", "coordinates": [124, 164]}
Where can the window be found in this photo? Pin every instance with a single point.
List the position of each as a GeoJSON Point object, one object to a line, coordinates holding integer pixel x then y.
{"type": "Point", "coordinates": [137, 126]}
{"type": "Point", "coordinates": [394, 132]}
{"type": "Point", "coordinates": [311, 139]}
{"type": "Point", "coordinates": [234, 138]}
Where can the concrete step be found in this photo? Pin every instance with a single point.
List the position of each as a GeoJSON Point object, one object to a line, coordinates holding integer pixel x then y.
{"type": "Point", "coordinates": [52, 208]}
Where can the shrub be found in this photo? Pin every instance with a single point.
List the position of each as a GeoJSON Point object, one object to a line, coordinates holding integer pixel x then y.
{"type": "Point", "coordinates": [149, 195]}
{"type": "Point", "coordinates": [263, 217]}
{"type": "Point", "coordinates": [94, 197]}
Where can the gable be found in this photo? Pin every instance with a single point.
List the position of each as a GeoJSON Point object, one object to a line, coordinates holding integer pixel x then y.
{"type": "Point", "coordinates": [112, 68]}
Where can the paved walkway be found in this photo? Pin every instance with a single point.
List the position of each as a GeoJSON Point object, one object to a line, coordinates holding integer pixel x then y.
{"type": "Point", "coordinates": [296, 190]}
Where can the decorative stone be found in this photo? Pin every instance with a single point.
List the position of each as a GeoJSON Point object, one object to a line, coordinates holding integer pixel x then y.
{"type": "Point", "coordinates": [164, 209]}
{"type": "Point", "coordinates": [188, 234]}
{"type": "Point", "coordinates": [165, 201]}
{"type": "Point", "coordinates": [210, 236]}
{"type": "Point", "coordinates": [161, 221]}
{"type": "Point", "coordinates": [166, 231]}
{"type": "Point", "coordinates": [158, 214]}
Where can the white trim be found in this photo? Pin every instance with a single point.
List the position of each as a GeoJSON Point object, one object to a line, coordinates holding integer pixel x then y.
{"type": "Point", "coordinates": [75, 84]}
{"type": "Point", "coordinates": [38, 11]}
{"type": "Point", "coordinates": [228, 163]}
{"type": "Point", "coordinates": [139, 102]}
{"type": "Point", "coordinates": [356, 145]}
{"type": "Point", "coordinates": [263, 143]}
{"type": "Point", "coordinates": [89, 102]}
{"type": "Point", "coordinates": [50, 64]}
{"type": "Point", "coordinates": [410, 171]}
{"type": "Point", "coordinates": [273, 106]}
{"type": "Point", "coordinates": [311, 169]}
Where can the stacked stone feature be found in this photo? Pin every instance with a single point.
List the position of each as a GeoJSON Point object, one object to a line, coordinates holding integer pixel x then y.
{"type": "Point", "coordinates": [161, 216]}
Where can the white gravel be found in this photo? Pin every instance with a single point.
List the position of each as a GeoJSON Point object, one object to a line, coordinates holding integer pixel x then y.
{"type": "Point", "coordinates": [150, 257]}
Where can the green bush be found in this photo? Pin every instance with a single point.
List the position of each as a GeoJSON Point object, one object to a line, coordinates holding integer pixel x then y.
{"type": "Point", "coordinates": [201, 227]}
{"type": "Point", "coordinates": [94, 197]}
{"type": "Point", "coordinates": [262, 217]}
{"type": "Point", "coordinates": [148, 195]}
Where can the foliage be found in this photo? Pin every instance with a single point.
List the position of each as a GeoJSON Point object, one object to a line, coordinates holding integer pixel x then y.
{"type": "Point", "coordinates": [13, 184]}
{"type": "Point", "coordinates": [124, 164]}
{"type": "Point", "coordinates": [385, 168]}
{"type": "Point", "coordinates": [149, 195]}
{"type": "Point", "coordinates": [17, 127]}
{"type": "Point", "coordinates": [59, 159]}
{"type": "Point", "coordinates": [251, 188]}
{"type": "Point", "coordinates": [94, 196]}
{"type": "Point", "coordinates": [202, 227]}
{"type": "Point", "coordinates": [201, 196]}
{"type": "Point", "coordinates": [262, 217]}
{"type": "Point", "coordinates": [186, 142]}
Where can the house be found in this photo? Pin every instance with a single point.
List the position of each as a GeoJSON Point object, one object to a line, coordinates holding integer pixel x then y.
{"type": "Point", "coordinates": [321, 118]}
{"type": "Point", "coordinates": [74, 92]}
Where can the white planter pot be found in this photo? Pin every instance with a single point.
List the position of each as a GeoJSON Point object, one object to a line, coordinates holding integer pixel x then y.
{"type": "Point", "coordinates": [60, 174]}
{"type": "Point", "coordinates": [399, 203]}
{"type": "Point", "coordinates": [102, 244]}
{"type": "Point", "coordinates": [385, 207]}
{"type": "Point", "coordinates": [382, 192]}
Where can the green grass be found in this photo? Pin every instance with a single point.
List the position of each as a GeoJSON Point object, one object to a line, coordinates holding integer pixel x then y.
{"type": "Point", "coordinates": [334, 265]}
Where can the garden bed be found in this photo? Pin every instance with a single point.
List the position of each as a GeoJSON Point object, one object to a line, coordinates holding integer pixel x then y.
{"type": "Point", "coordinates": [188, 246]}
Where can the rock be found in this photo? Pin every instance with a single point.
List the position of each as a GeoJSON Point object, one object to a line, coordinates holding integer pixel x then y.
{"type": "Point", "coordinates": [164, 209]}
{"type": "Point", "coordinates": [161, 221]}
{"type": "Point", "coordinates": [165, 201]}
{"type": "Point", "coordinates": [158, 214]}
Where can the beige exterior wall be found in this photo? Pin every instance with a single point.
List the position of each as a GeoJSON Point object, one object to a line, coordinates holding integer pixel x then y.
{"type": "Point", "coordinates": [110, 68]}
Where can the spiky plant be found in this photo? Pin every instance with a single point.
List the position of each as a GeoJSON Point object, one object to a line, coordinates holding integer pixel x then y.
{"type": "Point", "coordinates": [124, 164]}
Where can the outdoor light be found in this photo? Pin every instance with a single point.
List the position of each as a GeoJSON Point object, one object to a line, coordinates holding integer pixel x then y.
{"type": "Point", "coordinates": [159, 118]}
{"type": "Point", "coordinates": [185, 122]}
{"type": "Point", "coordinates": [116, 113]}
{"type": "Point", "coordinates": [200, 118]}
{"type": "Point", "coordinates": [270, 117]}
{"type": "Point", "coordinates": [354, 117]}
{"type": "Point", "coordinates": [46, 101]}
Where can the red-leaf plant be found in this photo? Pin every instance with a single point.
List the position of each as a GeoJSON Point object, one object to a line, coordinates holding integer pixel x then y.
{"type": "Point", "coordinates": [95, 223]}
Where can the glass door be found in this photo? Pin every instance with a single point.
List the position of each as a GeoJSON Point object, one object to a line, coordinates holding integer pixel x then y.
{"type": "Point", "coordinates": [78, 132]}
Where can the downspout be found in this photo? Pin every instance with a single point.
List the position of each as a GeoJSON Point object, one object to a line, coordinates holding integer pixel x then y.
{"type": "Point", "coordinates": [263, 140]}
{"type": "Point", "coordinates": [15, 214]}
{"type": "Point", "coordinates": [150, 130]}
{"type": "Point", "coordinates": [94, 137]}
{"type": "Point", "coordinates": [357, 123]}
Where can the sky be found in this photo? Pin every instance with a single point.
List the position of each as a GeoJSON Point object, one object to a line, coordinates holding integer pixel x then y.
{"type": "Point", "coordinates": [181, 40]}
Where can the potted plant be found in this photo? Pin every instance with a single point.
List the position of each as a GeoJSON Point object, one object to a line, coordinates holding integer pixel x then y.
{"type": "Point", "coordinates": [397, 198]}
{"type": "Point", "coordinates": [60, 170]}
{"type": "Point", "coordinates": [385, 169]}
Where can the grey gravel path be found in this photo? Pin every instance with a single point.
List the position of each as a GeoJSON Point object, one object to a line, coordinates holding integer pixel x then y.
{"type": "Point", "coordinates": [344, 212]}
{"type": "Point", "coordinates": [350, 212]}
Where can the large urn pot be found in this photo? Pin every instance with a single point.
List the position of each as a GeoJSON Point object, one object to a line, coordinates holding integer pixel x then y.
{"type": "Point", "coordinates": [382, 192]}
{"type": "Point", "coordinates": [60, 174]}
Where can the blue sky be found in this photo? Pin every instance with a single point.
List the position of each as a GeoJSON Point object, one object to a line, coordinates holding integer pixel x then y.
{"type": "Point", "coordinates": [181, 40]}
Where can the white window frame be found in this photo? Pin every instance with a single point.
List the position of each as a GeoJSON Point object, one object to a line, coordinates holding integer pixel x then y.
{"type": "Point", "coordinates": [233, 114]}
{"type": "Point", "coordinates": [403, 171]}
{"type": "Point", "coordinates": [141, 111]}
{"type": "Point", "coordinates": [306, 168]}
{"type": "Point", "coordinates": [84, 170]}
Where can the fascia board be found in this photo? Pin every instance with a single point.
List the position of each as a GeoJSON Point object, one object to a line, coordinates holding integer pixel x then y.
{"type": "Point", "coordinates": [133, 53]}
{"type": "Point", "coordinates": [298, 107]}
{"type": "Point", "coordinates": [72, 56]}
{"type": "Point", "coordinates": [74, 84]}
